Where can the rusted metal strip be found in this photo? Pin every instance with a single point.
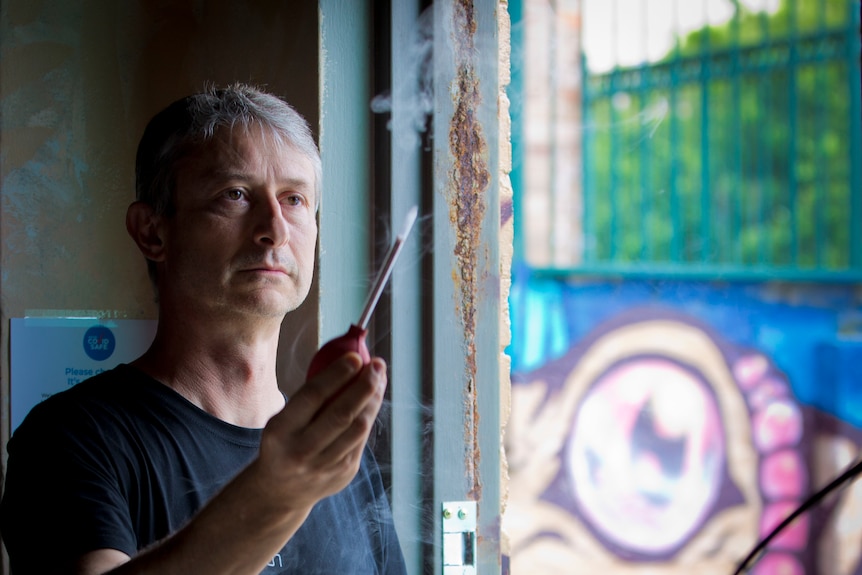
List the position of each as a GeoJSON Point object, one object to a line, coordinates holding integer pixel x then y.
{"type": "Point", "coordinates": [467, 205]}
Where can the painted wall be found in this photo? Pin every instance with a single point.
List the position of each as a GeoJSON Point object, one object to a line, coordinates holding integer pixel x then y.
{"type": "Point", "coordinates": [78, 82]}
{"type": "Point", "coordinates": [674, 424]}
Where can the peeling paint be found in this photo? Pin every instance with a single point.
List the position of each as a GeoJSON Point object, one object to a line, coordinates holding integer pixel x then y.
{"type": "Point", "coordinates": [469, 180]}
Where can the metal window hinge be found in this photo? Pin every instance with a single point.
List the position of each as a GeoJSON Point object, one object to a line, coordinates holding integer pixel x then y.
{"type": "Point", "coordinates": [459, 537]}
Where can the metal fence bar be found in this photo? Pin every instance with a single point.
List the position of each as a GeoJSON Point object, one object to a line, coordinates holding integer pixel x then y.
{"type": "Point", "coordinates": [661, 270]}
{"type": "Point", "coordinates": [855, 148]}
{"type": "Point", "coordinates": [705, 187]}
{"type": "Point", "coordinates": [612, 127]}
{"type": "Point", "coordinates": [588, 122]}
{"type": "Point", "coordinates": [736, 193]}
{"type": "Point", "coordinates": [764, 88]}
{"type": "Point", "coordinates": [647, 247]}
{"type": "Point", "coordinates": [792, 152]}
{"type": "Point", "coordinates": [645, 189]}
{"type": "Point", "coordinates": [678, 226]}
{"type": "Point", "coordinates": [820, 239]}
{"type": "Point", "coordinates": [612, 191]}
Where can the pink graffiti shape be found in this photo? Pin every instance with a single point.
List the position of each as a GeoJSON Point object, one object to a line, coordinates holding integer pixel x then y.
{"type": "Point", "coordinates": [795, 536]}
{"type": "Point", "coordinates": [778, 564]}
{"type": "Point", "coordinates": [778, 425]}
{"type": "Point", "coordinates": [782, 475]}
{"type": "Point", "coordinates": [767, 391]}
{"type": "Point", "coordinates": [749, 370]}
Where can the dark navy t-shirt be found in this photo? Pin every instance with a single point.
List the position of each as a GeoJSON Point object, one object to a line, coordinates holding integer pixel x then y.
{"type": "Point", "coordinates": [121, 461]}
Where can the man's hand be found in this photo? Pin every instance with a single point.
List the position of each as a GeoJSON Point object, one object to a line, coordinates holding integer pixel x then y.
{"type": "Point", "coordinates": [313, 447]}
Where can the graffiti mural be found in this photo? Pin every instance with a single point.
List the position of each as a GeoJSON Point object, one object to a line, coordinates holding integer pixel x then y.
{"type": "Point", "coordinates": [656, 441]}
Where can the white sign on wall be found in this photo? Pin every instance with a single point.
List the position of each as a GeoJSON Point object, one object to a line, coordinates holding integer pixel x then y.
{"type": "Point", "coordinates": [50, 354]}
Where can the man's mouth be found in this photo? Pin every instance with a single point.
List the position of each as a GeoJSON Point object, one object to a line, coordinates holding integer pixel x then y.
{"type": "Point", "coordinates": [269, 270]}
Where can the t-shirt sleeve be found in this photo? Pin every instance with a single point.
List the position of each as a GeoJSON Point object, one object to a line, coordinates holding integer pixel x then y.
{"type": "Point", "coordinates": [62, 498]}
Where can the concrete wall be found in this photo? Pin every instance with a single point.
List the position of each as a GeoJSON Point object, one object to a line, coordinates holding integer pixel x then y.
{"type": "Point", "coordinates": [78, 82]}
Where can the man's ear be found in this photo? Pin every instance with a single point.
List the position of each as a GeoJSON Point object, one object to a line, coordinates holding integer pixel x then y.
{"type": "Point", "coordinates": [146, 229]}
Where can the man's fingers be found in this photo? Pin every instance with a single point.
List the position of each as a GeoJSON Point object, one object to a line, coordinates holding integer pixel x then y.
{"type": "Point", "coordinates": [345, 433]}
{"type": "Point", "coordinates": [304, 405]}
{"type": "Point", "coordinates": [353, 410]}
{"type": "Point", "coordinates": [347, 447]}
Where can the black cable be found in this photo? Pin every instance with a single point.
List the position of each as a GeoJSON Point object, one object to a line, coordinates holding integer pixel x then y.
{"type": "Point", "coordinates": [851, 473]}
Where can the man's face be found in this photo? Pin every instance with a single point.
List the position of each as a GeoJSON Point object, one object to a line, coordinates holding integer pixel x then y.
{"type": "Point", "coordinates": [242, 236]}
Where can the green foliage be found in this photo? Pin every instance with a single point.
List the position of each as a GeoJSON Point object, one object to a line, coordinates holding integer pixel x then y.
{"type": "Point", "coordinates": [740, 157]}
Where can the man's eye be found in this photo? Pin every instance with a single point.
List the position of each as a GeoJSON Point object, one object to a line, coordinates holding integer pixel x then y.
{"type": "Point", "coordinates": [234, 194]}
{"type": "Point", "coordinates": [295, 200]}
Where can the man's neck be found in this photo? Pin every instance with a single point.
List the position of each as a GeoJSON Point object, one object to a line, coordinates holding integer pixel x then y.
{"type": "Point", "coordinates": [229, 373]}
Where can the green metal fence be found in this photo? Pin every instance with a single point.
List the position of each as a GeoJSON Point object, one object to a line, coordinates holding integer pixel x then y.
{"type": "Point", "coordinates": [735, 156]}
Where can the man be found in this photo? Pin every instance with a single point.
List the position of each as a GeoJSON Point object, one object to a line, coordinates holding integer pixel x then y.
{"type": "Point", "coordinates": [190, 460]}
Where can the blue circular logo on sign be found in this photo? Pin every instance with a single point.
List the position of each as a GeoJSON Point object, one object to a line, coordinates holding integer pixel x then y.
{"type": "Point", "coordinates": [99, 343]}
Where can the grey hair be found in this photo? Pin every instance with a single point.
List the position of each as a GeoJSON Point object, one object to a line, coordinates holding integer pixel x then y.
{"type": "Point", "coordinates": [189, 123]}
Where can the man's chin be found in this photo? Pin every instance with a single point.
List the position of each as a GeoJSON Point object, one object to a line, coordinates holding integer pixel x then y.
{"type": "Point", "coordinates": [272, 309]}
{"type": "Point", "coordinates": [266, 304]}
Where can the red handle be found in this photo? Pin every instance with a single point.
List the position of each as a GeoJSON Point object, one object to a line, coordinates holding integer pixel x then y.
{"type": "Point", "coordinates": [353, 340]}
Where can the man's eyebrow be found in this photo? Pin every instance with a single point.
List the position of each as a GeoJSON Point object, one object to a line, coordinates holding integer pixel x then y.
{"type": "Point", "coordinates": [222, 175]}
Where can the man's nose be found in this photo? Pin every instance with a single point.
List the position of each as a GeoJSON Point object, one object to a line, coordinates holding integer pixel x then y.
{"type": "Point", "coordinates": [271, 227]}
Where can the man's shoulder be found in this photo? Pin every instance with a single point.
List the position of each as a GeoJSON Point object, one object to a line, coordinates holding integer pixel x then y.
{"type": "Point", "coordinates": [105, 391]}
{"type": "Point", "coordinates": [98, 383]}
